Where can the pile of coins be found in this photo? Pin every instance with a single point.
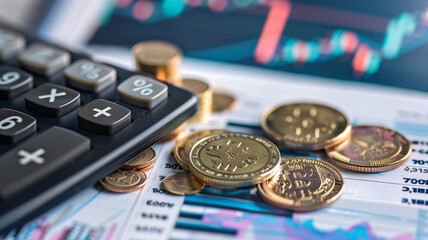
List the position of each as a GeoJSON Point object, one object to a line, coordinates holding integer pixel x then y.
{"type": "Point", "coordinates": [229, 160]}
{"type": "Point", "coordinates": [131, 176]}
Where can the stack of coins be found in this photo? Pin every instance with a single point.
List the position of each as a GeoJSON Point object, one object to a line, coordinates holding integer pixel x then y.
{"type": "Point", "coordinates": [205, 99]}
{"type": "Point", "coordinates": [162, 60]}
{"type": "Point", "coordinates": [131, 176]}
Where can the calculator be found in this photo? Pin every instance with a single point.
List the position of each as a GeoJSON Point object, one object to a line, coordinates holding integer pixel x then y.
{"type": "Point", "coordinates": [66, 121]}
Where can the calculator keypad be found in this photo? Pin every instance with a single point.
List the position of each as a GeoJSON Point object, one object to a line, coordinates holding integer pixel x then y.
{"type": "Point", "coordinates": [13, 82]}
{"type": "Point", "coordinates": [142, 91]}
{"type": "Point", "coordinates": [52, 100]}
{"type": "Point", "coordinates": [11, 44]}
{"type": "Point", "coordinates": [15, 125]}
{"type": "Point", "coordinates": [90, 76]}
{"type": "Point", "coordinates": [43, 59]}
{"type": "Point", "coordinates": [39, 157]}
{"type": "Point", "coordinates": [105, 117]}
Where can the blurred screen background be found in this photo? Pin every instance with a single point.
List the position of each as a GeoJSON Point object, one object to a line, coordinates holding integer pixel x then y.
{"type": "Point", "coordinates": [382, 42]}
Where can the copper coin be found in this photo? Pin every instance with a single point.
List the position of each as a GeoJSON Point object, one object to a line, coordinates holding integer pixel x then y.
{"type": "Point", "coordinates": [147, 168]}
{"type": "Point", "coordinates": [142, 160]}
{"type": "Point", "coordinates": [182, 183]}
{"type": "Point", "coordinates": [222, 102]}
{"type": "Point", "coordinates": [184, 145]}
{"type": "Point", "coordinates": [306, 126]}
{"type": "Point", "coordinates": [123, 181]}
{"type": "Point", "coordinates": [302, 184]}
{"type": "Point", "coordinates": [371, 149]}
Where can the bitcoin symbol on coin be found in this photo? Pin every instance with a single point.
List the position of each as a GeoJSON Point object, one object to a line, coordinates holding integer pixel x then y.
{"type": "Point", "coordinates": [231, 156]}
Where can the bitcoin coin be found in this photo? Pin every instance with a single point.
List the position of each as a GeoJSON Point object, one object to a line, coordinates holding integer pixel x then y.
{"type": "Point", "coordinates": [184, 145]}
{"type": "Point", "coordinates": [182, 183]}
{"type": "Point", "coordinates": [222, 102]}
{"type": "Point", "coordinates": [122, 181]}
{"type": "Point", "coordinates": [371, 149]}
{"type": "Point", "coordinates": [142, 160]}
{"type": "Point", "coordinates": [306, 126]}
{"type": "Point", "coordinates": [234, 159]}
{"type": "Point", "coordinates": [302, 184]}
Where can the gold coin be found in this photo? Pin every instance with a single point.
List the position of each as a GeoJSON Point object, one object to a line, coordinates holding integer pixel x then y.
{"type": "Point", "coordinates": [122, 181]}
{"type": "Point", "coordinates": [303, 184]}
{"type": "Point", "coordinates": [371, 149]}
{"type": "Point", "coordinates": [195, 86]}
{"type": "Point", "coordinates": [142, 160]}
{"type": "Point", "coordinates": [184, 145]}
{"type": "Point", "coordinates": [234, 159]}
{"type": "Point", "coordinates": [182, 183]}
{"type": "Point", "coordinates": [306, 126]}
{"type": "Point", "coordinates": [203, 92]}
{"type": "Point", "coordinates": [222, 102]}
{"type": "Point", "coordinates": [161, 59]}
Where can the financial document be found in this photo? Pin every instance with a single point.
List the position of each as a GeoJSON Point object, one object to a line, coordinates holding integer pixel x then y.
{"type": "Point", "coordinates": [387, 205]}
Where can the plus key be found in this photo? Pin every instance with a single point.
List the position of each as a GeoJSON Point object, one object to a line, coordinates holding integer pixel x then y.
{"type": "Point", "coordinates": [105, 117]}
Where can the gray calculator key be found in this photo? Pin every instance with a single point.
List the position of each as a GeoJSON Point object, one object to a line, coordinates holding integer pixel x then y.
{"type": "Point", "coordinates": [43, 59]}
{"type": "Point", "coordinates": [90, 76]}
{"type": "Point", "coordinates": [14, 82]}
{"type": "Point", "coordinates": [15, 126]}
{"type": "Point", "coordinates": [52, 100]}
{"type": "Point", "coordinates": [35, 160]}
{"type": "Point", "coordinates": [104, 117]}
{"type": "Point", "coordinates": [142, 91]}
{"type": "Point", "coordinates": [11, 44]}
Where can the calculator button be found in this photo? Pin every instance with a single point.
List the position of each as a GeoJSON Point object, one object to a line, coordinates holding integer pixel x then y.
{"type": "Point", "coordinates": [142, 91]}
{"type": "Point", "coordinates": [13, 82]}
{"type": "Point", "coordinates": [32, 161]}
{"type": "Point", "coordinates": [43, 59]}
{"type": "Point", "coordinates": [90, 76]}
{"type": "Point", "coordinates": [11, 44]}
{"type": "Point", "coordinates": [15, 126]}
{"type": "Point", "coordinates": [104, 117]}
{"type": "Point", "coordinates": [52, 100]}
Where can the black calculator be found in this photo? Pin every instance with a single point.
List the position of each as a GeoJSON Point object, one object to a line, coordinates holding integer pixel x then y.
{"type": "Point", "coordinates": [66, 121]}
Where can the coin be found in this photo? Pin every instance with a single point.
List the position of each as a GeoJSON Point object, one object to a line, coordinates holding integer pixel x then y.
{"type": "Point", "coordinates": [371, 149]}
{"type": "Point", "coordinates": [142, 160]}
{"type": "Point", "coordinates": [147, 168]}
{"type": "Point", "coordinates": [184, 145]}
{"type": "Point", "coordinates": [306, 126]}
{"type": "Point", "coordinates": [222, 102]}
{"type": "Point", "coordinates": [234, 159]}
{"type": "Point", "coordinates": [182, 183]}
{"type": "Point", "coordinates": [302, 184]}
{"type": "Point", "coordinates": [205, 101]}
{"type": "Point", "coordinates": [122, 181]}
{"type": "Point", "coordinates": [161, 59]}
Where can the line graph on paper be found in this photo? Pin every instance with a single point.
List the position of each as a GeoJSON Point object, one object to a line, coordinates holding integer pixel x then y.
{"type": "Point", "coordinates": [383, 42]}
{"type": "Point", "coordinates": [92, 214]}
